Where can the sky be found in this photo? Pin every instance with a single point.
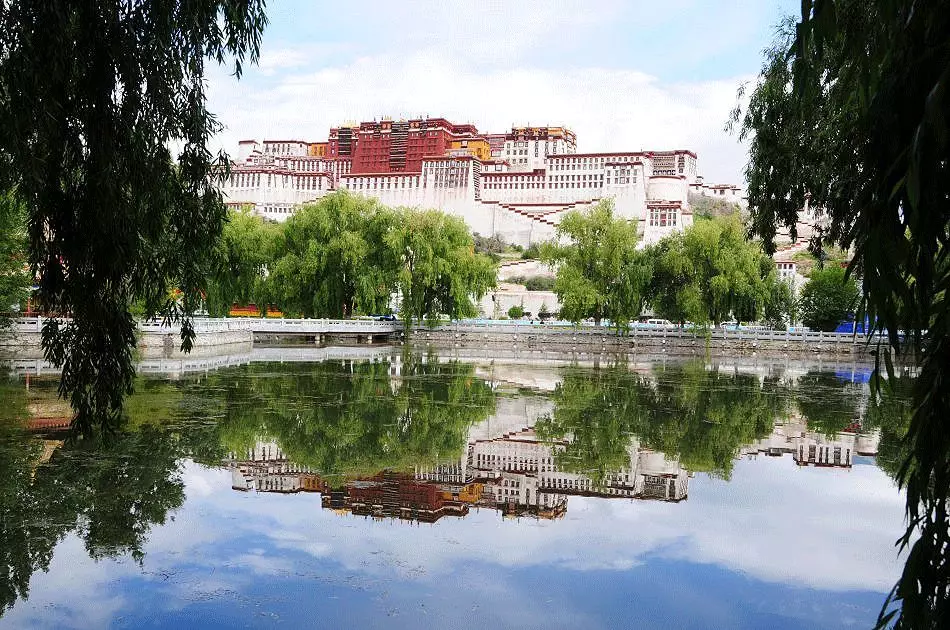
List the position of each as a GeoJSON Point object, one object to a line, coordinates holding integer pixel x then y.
{"type": "Point", "coordinates": [623, 74]}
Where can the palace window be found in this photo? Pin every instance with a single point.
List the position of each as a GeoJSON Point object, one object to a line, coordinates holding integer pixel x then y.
{"type": "Point", "coordinates": [662, 217]}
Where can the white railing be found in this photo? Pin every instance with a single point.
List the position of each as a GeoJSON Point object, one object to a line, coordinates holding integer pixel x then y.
{"type": "Point", "coordinates": [654, 332]}
{"type": "Point", "coordinates": [368, 326]}
{"type": "Point", "coordinates": [212, 325]}
{"type": "Point", "coordinates": [201, 325]}
{"type": "Point", "coordinates": [353, 326]}
{"type": "Point", "coordinates": [30, 324]}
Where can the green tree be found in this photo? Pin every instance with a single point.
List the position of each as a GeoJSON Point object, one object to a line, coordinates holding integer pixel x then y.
{"type": "Point", "coordinates": [531, 252]}
{"type": "Point", "coordinates": [891, 412]}
{"type": "Point", "coordinates": [14, 279]}
{"type": "Point", "coordinates": [539, 283]}
{"type": "Point", "coordinates": [699, 416]}
{"type": "Point", "coordinates": [675, 293]}
{"type": "Point", "coordinates": [516, 312]}
{"type": "Point", "coordinates": [780, 306]}
{"type": "Point", "coordinates": [710, 272]}
{"type": "Point", "coordinates": [851, 110]}
{"type": "Point", "coordinates": [92, 96]}
{"type": "Point", "coordinates": [242, 258]}
{"type": "Point", "coordinates": [439, 271]}
{"type": "Point", "coordinates": [347, 419]}
{"type": "Point", "coordinates": [827, 298]}
{"type": "Point", "coordinates": [333, 258]}
{"type": "Point", "coordinates": [600, 273]}
{"type": "Point", "coordinates": [109, 493]}
{"type": "Point", "coordinates": [827, 404]}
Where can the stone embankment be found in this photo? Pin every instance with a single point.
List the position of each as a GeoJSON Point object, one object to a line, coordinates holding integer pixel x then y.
{"type": "Point", "coordinates": [221, 336]}
{"type": "Point", "coordinates": [24, 340]}
{"type": "Point", "coordinates": [518, 337]}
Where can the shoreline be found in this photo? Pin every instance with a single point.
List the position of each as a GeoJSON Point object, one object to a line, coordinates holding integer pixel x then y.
{"type": "Point", "coordinates": [499, 337]}
{"type": "Point", "coordinates": [656, 341]}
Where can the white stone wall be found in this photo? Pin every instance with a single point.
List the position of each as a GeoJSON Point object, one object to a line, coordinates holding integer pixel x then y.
{"type": "Point", "coordinates": [496, 303]}
{"type": "Point", "coordinates": [521, 203]}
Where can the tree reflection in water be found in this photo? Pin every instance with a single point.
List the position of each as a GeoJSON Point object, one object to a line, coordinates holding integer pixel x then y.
{"type": "Point", "coordinates": [109, 491]}
{"type": "Point", "coordinates": [395, 438]}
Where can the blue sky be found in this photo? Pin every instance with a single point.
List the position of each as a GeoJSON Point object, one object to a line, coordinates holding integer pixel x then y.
{"type": "Point", "coordinates": [623, 74]}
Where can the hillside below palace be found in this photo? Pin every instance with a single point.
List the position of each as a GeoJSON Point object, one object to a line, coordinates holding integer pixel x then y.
{"type": "Point", "coordinates": [515, 185]}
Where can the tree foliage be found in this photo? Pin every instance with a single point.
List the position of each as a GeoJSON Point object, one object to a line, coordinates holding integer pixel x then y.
{"type": "Point", "coordinates": [600, 273]}
{"type": "Point", "coordinates": [701, 417]}
{"type": "Point", "coordinates": [781, 309]}
{"type": "Point", "coordinates": [14, 278]}
{"type": "Point", "coordinates": [828, 298]}
{"type": "Point", "coordinates": [852, 109]}
{"type": "Point", "coordinates": [710, 272]}
{"type": "Point", "coordinates": [110, 495]}
{"type": "Point", "coordinates": [333, 259]}
{"type": "Point", "coordinates": [241, 263]}
{"type": "Point", "coordinates": [439, 272]}
{"type": "Point", "coordinates": [534, 283]}
{"type": "Point", "coordinates": [348, 255]}
{"type": "Point", "coordinates": [348, 419]}
{"type": "Point", "coordinates": [92, 96]}
{"type": "Point", "coordinates": [828, 404]}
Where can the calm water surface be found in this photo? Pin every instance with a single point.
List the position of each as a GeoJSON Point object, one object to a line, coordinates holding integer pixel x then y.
{"type": "Point", "coordinates": [395, 490]}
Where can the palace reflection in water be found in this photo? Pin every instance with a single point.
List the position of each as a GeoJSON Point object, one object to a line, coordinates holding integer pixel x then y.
{"type": "Point", "coordinates": [506, 465]}
{"type": "Point", "coordinates": [517, 475]}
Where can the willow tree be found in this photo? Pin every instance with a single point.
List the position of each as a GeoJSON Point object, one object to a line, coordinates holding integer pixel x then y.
{"type": "Point", "coordinates": [440, 272]}
{"type": "Point", "coordinates": [852, 110]}
{"type": "Point", "coordinates": [600, 273]}
{"type": "Point", "coordinates": [14, 280]}
{"type": "Point", "coordinates": [92, 97]}
{"type": "Point", "coordinates": [710, 272]}
{"type": "Point", "coordinates": [333, 259]}
{"type": "Point", "coordinates": [241, 263]}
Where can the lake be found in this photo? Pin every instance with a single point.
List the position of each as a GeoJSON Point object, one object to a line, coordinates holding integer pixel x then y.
{"type": "Point", "coordinates": [379, 488]}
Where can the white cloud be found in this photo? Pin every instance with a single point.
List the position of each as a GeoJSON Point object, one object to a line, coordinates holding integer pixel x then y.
{"type": "Point", "coordinates": [609, 109]}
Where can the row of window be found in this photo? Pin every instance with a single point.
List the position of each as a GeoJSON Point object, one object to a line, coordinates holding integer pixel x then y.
{"type": "Point", "coordinates": [394, 183]}
{"type": "Point", "coordinates": [284, 148]}
{"type": "Point", "coordinates": [404, 184]}
{"type": "Point", "coordinates": [315, 166]}
{"type": "Point", "coordinates": [253, 180]}
{"type": "Point", "coordinates": [447, 166]}
{"type": "Point", "coordinates": [490, 457]}
{"type": "Point", "coordinates": [543, 186]}
{"type": "Point", "coordinates": [582, 163]}
{"type": "Point", "coordinates": [826, 455]}
{"type": "Point", "coordinates": [276, 209]}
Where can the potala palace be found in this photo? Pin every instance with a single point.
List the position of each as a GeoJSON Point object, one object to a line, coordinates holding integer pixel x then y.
{"type": "Point", "coordinates": [515, 185]}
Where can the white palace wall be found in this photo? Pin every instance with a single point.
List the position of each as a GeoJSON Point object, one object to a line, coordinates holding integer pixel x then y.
{"type": "Point", "coordinates": [521, 207]}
